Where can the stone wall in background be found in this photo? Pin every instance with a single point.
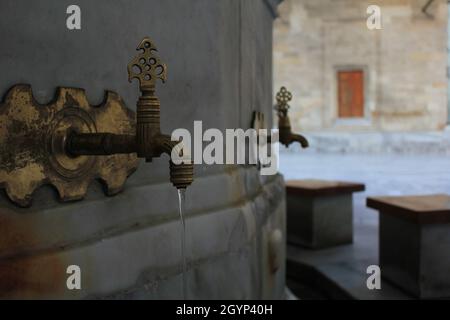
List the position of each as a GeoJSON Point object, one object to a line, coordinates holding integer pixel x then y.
{"type": "Point", "coordinates": [404, 63]}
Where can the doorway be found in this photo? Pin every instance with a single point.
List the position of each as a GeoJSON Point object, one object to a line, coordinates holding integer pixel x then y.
{"type": "Point", "coordinates": [351, 94]}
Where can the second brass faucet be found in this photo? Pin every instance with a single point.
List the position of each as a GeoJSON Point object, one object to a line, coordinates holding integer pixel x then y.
{"type": "Point", "coordinates": [284, 125]}
{"type": "Point", "coordinates": [148, 142]}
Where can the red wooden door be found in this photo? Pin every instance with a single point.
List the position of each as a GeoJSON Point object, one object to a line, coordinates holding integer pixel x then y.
{"type": "Point", "coordinates": [351, 94]}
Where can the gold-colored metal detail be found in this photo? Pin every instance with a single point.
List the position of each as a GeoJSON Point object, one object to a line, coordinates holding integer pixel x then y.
{"type": "Point", "coordinates": [148, 142]}
{"type": "Point", "coordinates": [283, 98]}
{"type": "Point", "coordinates": [287, 137]}
{"type": "Point", "coordinates": [33, 143]}
{"type": "Point", "coordinates": [146, 66]}
{"type": "Point", "coordinates": [68, 143]}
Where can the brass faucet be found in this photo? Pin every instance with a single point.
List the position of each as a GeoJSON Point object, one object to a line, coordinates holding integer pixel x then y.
{"type": "Point", "coordinates": [284, 126]}
{"type": "Point", "coordinates": [148, 142]}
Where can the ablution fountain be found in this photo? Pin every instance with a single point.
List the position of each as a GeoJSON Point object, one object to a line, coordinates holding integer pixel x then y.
{"type": "Point", "coordinates": [62, 149]}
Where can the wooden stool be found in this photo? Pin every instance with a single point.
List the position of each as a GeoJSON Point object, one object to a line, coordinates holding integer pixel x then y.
{"type": "Point", "coordinates": [414, 239]}
{"type": "Point", "coordinates": [320, 213]}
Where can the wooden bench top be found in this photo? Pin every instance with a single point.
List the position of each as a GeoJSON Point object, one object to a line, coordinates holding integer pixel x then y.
{"type": "Point", "coordinates": [433, 208]}
{"type": "Point", "coordinates": [312, 187]}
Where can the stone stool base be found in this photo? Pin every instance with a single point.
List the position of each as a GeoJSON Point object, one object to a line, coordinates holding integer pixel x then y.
{"type": "Point", "coordinates": [320, 213]}
{"type": "Point", "coordinates": [414, 237]}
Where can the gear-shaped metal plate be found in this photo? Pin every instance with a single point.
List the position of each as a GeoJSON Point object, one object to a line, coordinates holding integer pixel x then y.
{"type": "Point", "coordinates": [32, 139]}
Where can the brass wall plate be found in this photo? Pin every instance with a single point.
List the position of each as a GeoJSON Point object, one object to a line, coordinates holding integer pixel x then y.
{"type": "Point", "coordinates": [32, 139]}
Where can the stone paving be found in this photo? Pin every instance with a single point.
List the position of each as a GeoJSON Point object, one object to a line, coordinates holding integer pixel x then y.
{"type": "Point", "coordinates": [345, 266]}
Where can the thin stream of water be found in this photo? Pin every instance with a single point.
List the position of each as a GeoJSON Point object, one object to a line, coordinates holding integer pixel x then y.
{"type": "Point", "coordinates": [181, 203]}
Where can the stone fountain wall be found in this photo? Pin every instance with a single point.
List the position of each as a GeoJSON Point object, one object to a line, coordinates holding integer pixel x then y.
{"type": "Point", "coordinates": [219, 57]}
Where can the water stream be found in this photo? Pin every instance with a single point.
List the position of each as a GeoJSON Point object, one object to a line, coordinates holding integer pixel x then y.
{"type": "Point", "coordinates": [181, 203]}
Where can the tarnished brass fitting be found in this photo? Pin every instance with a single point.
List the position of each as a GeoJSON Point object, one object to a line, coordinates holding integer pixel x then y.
{"type": "Point", "coordinates": [149, 142]}
{"type": "Point", "coordinates": [284, 126]}
{"type": "Point", "coordinates": [181, 175]}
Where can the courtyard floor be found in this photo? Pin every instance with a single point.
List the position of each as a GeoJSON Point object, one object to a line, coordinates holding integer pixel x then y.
{"type": "Point", "coordinates": [382, 174]}
{"type": "Point", "coordinates": [344, 267]}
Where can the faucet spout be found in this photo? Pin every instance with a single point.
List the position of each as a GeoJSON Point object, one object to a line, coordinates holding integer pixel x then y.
{"type": "Point", "coordinates": [300, 139]}
{"type": "Point", "coordinates": [181, 175]}
{"type": "Point", "coordinates": [287, 137]}
{"type": "Point", "coordinates": [148, 142]}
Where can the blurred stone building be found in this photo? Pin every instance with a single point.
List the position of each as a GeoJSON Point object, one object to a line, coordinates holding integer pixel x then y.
{"type": "Point", "coordinates": [345, 77]}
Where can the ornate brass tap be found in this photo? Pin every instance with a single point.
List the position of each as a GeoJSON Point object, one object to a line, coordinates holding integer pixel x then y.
{"type": "Point", "coordinates": [68, 143]}
{"type": "Point", "coordinates": [284, 125]}
{"type": "Point", "coordinates": [148, 142]}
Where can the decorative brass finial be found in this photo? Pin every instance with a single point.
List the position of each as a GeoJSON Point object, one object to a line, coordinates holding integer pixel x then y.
{"type": "Point", "coordinates": [283, 97]}
{"type": "Point", "coordinates": [146, 66]}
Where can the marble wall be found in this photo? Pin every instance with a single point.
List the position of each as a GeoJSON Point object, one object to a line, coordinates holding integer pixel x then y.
{"type": "Point", "coordinates": [219, 57]}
